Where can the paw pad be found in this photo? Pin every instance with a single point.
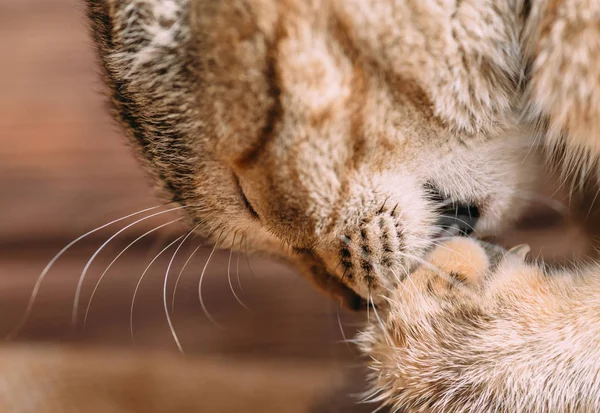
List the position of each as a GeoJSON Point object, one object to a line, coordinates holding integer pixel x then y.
{"type": "Point", "coordinates": [462, 258]}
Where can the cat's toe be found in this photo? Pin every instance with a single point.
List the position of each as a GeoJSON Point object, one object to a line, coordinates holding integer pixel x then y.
{"type": "Point", "coordinates": [461, 258]}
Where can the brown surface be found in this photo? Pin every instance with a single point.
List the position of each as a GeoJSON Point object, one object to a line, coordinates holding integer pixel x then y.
{"type": "Point", "coordinates": [63, 165]}
{"type": "Point", "coordinates": [125, 382]}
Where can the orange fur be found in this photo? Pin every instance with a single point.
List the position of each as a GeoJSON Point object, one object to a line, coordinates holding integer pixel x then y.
{"type": "Point", "coordinates": [313, 129]}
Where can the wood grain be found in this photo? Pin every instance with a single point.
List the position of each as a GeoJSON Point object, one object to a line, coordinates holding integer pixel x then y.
{"type": "Point", "coordinates": [64, 168]}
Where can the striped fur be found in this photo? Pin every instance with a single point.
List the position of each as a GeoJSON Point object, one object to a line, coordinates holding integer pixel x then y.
{"type": "Point", "coordinates": [312, 129]}
{"type": "Point", "coordinates": [303, 127]}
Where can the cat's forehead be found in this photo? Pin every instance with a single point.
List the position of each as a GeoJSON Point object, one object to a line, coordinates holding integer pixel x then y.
{"type": "Point", "coordinates": [301, 72]}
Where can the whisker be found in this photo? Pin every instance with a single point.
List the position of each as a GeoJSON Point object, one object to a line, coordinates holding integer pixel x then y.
{"type": "Point", "coordinates": [169, 321]}
{"type": "Point", "coordinates": [229, 275]}
{"type": "Point", "coordinates": [237, 266]}
{"type": "Point", "coordinates": [439, 272]}
{"type": "Point", "coordinates": [592, 204]}
{"type": "Point", "coordinates": [534, 144]}
{"type": "Point", "coordinates": [446, 202]}
{"type": "Point", "coordinates": [76, 299]}
{"type": "Point", "coordinates": [456, 218]}
{"type": "Point", "coordinates": [248, 259]}
{"type": "Point", "coordinates": [87, 310]}
{"type": "Point", "coordinates": [563, 181]}
{"type": "Point", "coordinates": [157, 244]}
{"type": "Point", "coordinates": [140, 282]}
{"type": "Point", "coordinates": [180, 274]}
{"type": "Point", "coordinates": [379, 408]}
{"type": "Point", "coordinates": [46, 269]}
{"type": "Point", "coordinates": [184, 267]}
{"type": "Point", "coordinates": [368, 398]}
{"type": "Point", "coordinates": [383, 329]}
{"type": "Point", "coordinates": [407, 278]}
{"type": "Point", "coordinates": [400, 282]}
{"type": "Point", "coordinates": [206, 312]}
{"type": "Point", "coordinates": [368, 315]}
{"type": "Point", "coordinates": [339, 320]}
{"type": "Point", "coordinates": [410, 280]}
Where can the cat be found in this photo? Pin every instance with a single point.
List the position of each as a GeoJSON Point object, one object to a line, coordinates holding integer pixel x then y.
{"type": "Point", "coordinates": [463, 336]}
{"type": "Point", "coordinates": [344, 136]}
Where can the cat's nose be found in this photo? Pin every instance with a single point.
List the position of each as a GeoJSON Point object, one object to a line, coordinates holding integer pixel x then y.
{"type": "Point", "coordinates": [458, 219]}
{"type": "Point", "coordinates": [454, 218]}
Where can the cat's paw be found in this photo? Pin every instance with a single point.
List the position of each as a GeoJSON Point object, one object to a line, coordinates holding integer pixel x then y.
{"type": "Point", "coordinates": [460, 263]}
{"type": "Point", "coordinates": [426, 311]}
{"type": "Point", "coordinates": [463, 259]}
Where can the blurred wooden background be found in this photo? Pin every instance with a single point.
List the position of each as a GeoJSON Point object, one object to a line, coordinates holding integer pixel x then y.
{"type": "Point", "coordinates": [64, 170]}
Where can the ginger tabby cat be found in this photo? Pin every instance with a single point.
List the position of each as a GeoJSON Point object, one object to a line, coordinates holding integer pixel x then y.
{"type": "Point", "coordinates": [350, 137]}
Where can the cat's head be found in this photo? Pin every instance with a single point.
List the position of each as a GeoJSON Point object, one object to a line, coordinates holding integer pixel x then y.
{"type": "Point", "coordinates": [344, 137]}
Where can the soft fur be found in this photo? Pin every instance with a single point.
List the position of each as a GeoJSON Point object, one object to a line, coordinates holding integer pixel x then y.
{"type": "Point", "coordinates": [524, 338]}
{"type": "Point", "coordinates": [561, 48]}
{"type": "Point", "coordinates": [457, 337]}
{"type": "Point", "coordinates": [317, 132]}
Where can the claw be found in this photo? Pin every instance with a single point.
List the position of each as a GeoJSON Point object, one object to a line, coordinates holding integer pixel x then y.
{"type": "Point", "coordinates": [521, 251]}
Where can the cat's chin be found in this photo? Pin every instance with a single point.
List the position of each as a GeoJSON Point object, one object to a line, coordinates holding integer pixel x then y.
{"type": "Point", "coordinates": [345, 296]}
{"type": "Point", "coordinates": [312, 268]}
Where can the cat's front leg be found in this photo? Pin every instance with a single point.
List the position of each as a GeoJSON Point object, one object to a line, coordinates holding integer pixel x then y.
{"type": "Point", "coordinates": [458, 336]}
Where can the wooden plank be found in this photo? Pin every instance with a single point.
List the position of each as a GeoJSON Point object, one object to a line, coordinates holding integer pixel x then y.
{"type": "Point", "coordinates": [64, 168]}
{"type": "Point", "coordinates": [283, 317]}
